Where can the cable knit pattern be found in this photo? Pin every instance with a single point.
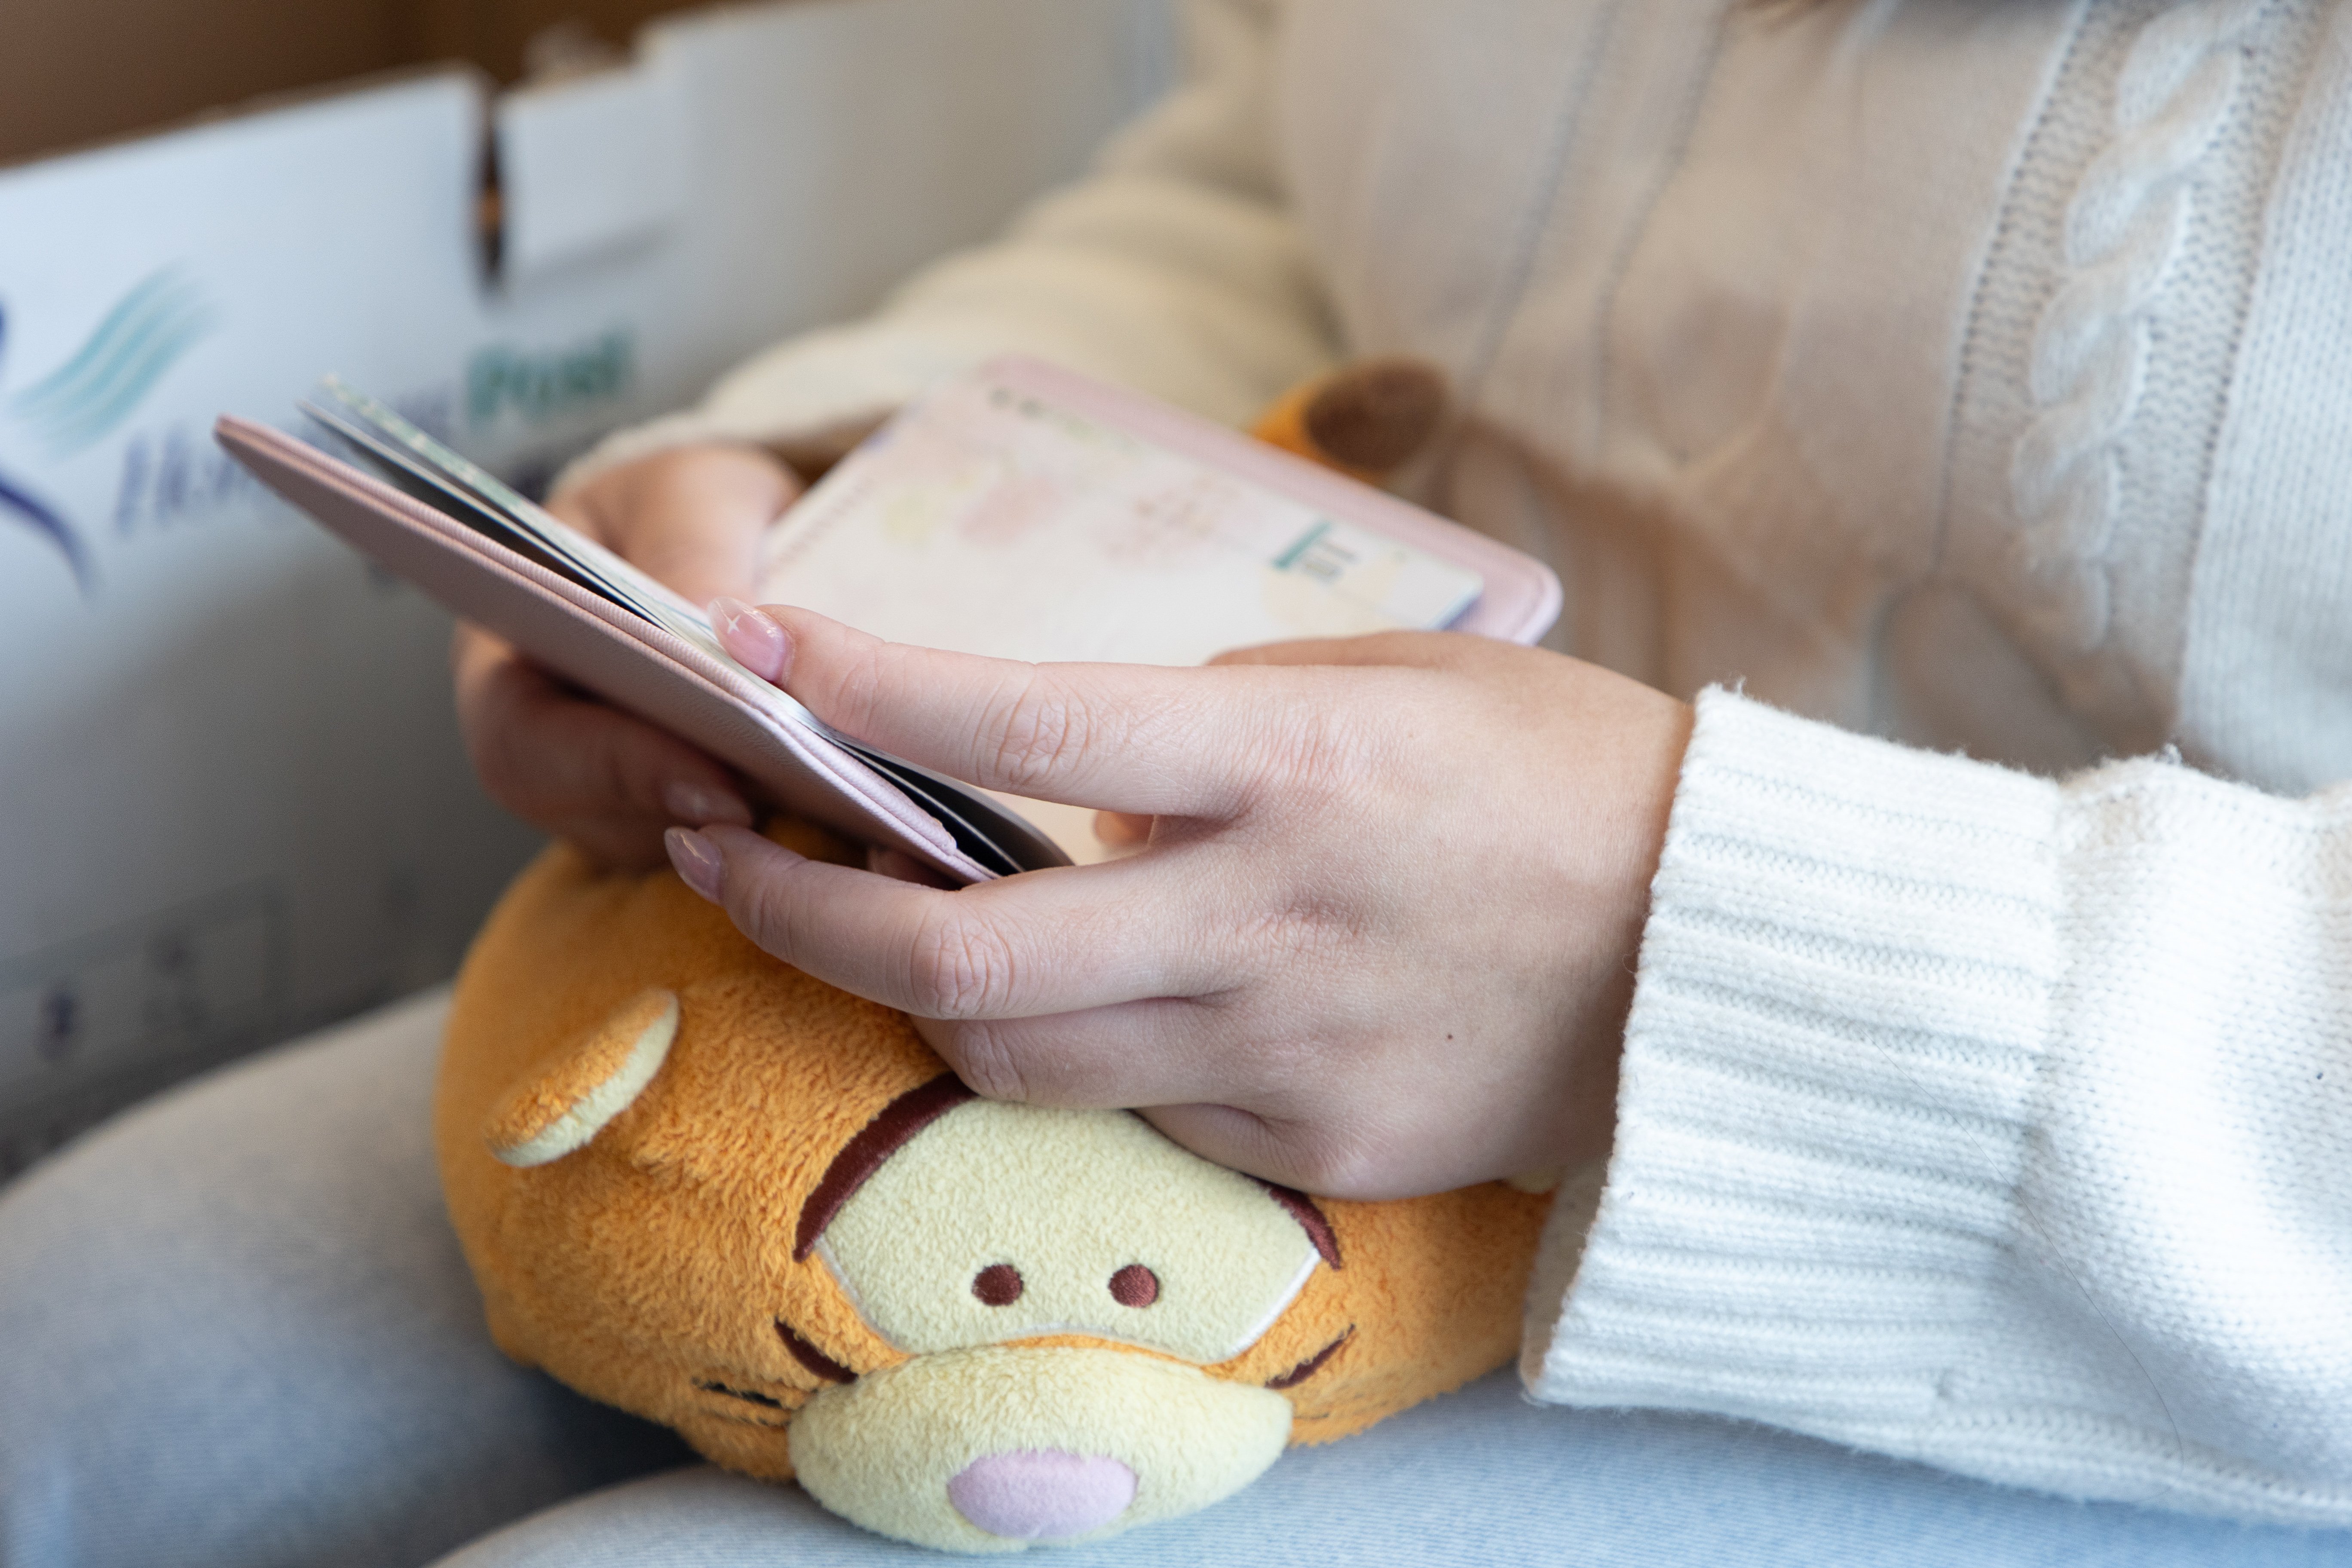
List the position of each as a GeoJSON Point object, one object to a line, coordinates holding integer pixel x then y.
{"type": "Point", "coordinates": [2124, 229]}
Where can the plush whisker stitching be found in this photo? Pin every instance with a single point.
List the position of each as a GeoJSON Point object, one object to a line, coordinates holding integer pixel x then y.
{"type": "Point", "coordinates": [732, 1419]}
{"type": "Point", "coordinates": [756, 1398]}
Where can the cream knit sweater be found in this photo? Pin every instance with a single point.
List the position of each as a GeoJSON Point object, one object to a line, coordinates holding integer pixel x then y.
{"type": "Point", "coordinates": [1977, 377]}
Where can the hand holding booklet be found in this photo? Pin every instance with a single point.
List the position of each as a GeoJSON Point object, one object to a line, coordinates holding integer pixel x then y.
{"type": "Point", "coordinates": [1019, 511]}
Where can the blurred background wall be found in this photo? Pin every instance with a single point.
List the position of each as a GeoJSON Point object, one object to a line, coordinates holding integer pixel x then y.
{"type": "Point", "coordinates": [76, 71]}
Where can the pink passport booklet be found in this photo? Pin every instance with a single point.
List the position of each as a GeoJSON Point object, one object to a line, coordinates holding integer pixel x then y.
{"type": "Point", "coordinates": [1021, 511]}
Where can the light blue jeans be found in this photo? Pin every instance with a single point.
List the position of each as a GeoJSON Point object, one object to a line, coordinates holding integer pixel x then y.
{"type": "Point", "coordinates": [234, 1329]}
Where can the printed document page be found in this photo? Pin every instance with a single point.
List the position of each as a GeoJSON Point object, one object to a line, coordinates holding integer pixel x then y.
{"type": "Point", "coordinates": [988, 520]}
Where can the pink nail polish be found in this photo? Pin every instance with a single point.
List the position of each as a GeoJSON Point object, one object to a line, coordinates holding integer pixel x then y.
{"type": "Point", "coordinates": [697, 806]}
{"type": "Point", "coordinates": [754, 637]}
{"type": "Point", "coordinates": [695, 859]}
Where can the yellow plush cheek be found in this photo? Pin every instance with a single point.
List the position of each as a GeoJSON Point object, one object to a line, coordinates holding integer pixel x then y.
{"type": "Point", "coordinates": [995, 1448]}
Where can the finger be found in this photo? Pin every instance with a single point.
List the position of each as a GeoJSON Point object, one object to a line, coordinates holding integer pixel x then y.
{"type": "Point", "coordinates": [630, 844]}
{"type": "Point", "coordinates": [901, 866]}
{"type": "Point", "coordinates": [1050, 942]}
{"type": "Point", "coordinates": [1288, 1154]}
{"type": "Point", "coordinates": [1236, 1101]}
{"type": "Point", "coordinates": [1122, 829]}
{"type": "Point", "coordinates": [692, 516]}
{"type": "Point", "coordinates": [557, 760]}
{"type": "Point", "coordinates": [1129, 737]}
{"type": "Point", "coordinates": [1177, 1063]}
{"type": "Point", "coordinates": [1157, 1051]}
{"type": "Point", "coordinates": [1416, 650]}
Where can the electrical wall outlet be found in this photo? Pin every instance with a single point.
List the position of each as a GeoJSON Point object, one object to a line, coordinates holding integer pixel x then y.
{"type": "Point", "coordinates": [173, 991]}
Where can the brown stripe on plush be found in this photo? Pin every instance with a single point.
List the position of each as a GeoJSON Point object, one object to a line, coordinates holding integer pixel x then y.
{"type": "Point", "coordinates": [749, 1395]}
{"type": "Point", "coordinates": [809, 1356]}
{"type": "Point", "coordinates": [881, 1138]}
{"type": "Point", "coordinates": [1312, 1364]}
{"type": "Point", "coordinates": [1310, 1220]}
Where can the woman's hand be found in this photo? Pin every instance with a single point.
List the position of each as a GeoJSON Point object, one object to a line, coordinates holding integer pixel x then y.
{"type": "Point", "coordinates": [1380, 940]}
{"type": "Point", "coordinates": [573, 765]}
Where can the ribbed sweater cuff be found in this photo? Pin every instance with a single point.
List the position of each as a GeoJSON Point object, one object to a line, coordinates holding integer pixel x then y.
{"type": "Point", "coordinates": [1844, 988]}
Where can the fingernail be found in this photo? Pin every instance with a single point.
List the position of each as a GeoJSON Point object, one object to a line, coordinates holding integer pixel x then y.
{"type": "Point", "coordinates": [754, 637]}
{"type": "Point", "coordinates": [696, 861]}
{"type": "Point", "coordinates": [698, 805]}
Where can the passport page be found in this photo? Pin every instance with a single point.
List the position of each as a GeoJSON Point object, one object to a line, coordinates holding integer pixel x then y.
{"type": "Point", "coordinates": [994, 517]}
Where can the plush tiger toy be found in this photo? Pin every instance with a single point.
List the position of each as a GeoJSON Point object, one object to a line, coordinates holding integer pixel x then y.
{"type": "Point", "coordinates": [699, 1184]}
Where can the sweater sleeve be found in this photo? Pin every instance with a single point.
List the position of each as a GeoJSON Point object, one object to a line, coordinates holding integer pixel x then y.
{"type": "Point", "coordinates": [1987, 1121]}
{"type": "Point", "coordinates": [1173, 267]}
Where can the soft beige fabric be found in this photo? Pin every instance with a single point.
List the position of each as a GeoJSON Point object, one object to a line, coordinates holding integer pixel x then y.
{"type": "Point", "coordinates": [1175, 269]}
{"type": "Point", "coordinates": [1793, 336]}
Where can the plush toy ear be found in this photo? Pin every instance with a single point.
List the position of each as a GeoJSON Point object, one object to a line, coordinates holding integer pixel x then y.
{"type": "Point", "coordinates": [569, 1102]}
{"type": "Point", "coordinates": [1367, 418]}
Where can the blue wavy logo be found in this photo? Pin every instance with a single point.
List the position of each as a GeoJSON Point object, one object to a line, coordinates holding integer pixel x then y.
{"type": "Point", "coordinates": [86, 399]}
{"type": "Point", "coordinates": [89, 396]}
{"type": "Point", "coordinates": [17, 502]}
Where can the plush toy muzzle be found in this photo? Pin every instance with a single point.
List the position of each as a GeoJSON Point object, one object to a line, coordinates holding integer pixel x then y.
{"type": "Point", "coordinates": [700, 1185]}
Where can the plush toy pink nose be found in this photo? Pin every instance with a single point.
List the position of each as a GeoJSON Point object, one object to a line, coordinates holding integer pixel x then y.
{"type": "Point", "coordinates": [1042, 1494]}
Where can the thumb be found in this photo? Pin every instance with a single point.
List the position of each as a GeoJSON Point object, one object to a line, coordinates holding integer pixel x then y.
{"type": "Point", "coordinates": [691, 516]}
{"type": "Point", "coordinates": [1288, 1154]}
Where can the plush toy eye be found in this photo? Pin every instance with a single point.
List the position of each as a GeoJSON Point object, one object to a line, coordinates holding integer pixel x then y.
{"type": "Point", "coordinates": [998, 1285]}
{"type": "Point", "coordinates": [1135, 1286]}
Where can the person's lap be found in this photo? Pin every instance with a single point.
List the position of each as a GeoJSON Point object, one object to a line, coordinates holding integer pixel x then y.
{"type": "Point", "coordinates": [235, 1329]}
{"type": "Point", "coordinates": [1477, 1479]}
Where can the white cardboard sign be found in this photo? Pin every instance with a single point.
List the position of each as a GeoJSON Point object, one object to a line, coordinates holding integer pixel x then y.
{"type": "Point", "coordinates": [232, 801]}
